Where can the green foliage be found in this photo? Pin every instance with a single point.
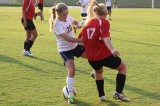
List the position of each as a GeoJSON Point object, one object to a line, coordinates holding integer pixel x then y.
{"type": "Point", "coordinates": [38, 81]}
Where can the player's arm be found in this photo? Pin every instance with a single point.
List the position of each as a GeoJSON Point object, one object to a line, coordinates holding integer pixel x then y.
{"type": "Point", "coordinates": [24, 18]}
{"type": "Point", "coordinates": [70, 39]}
{"type": "Point", "coordinates": [77, 24]}
{"type": "Point", "coordinates": [24, 9]}
{"type": "Point", "coordinates": [108, 43]}
{"type": "Point", "coordinates": [105, 35]}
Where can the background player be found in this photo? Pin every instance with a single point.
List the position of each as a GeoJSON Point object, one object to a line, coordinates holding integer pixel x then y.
{"type": "Point", "coordinates": [109, 8]}
{"type": "Point", "coordinates": [28, 12]}
{"type": "Point", "coordinates": [40, 7]}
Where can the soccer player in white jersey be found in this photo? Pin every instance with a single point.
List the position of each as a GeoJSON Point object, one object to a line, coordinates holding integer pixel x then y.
{"type": "Point", "coordinates": [68, 47]}
{"type": "Point", "coordinates": [115, 4]}
{"type": "Point", "coordinates": [109, 7]}
{"type": "Point", "coordinates": [84, 4]}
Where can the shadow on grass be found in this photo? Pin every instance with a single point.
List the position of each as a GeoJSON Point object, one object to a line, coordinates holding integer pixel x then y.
{"type": "Point", "coordinates": [141, 43]}
{"type": "Point", "coordinates": [81, 103]}
{"type": "Point", "coordinates": [7, 59]}
{"type": "Point", "coordinates": [108, 103]}
{"type": "Point", "coordinates": [136, 22]}
{"type": "Point", "coordinates": [127, 87]}
{"type": "Point", "coordinates": [59, 64]}
{"type": "Point", "coordinates": [130, 88]}
{"type": "Point", "coordinates": [151, 95]}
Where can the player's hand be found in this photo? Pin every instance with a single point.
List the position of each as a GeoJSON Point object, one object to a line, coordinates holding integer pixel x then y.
{"type": "Point", "coordinates": [25, 23]}
{"type": "Point", "coordinates": [75, 29]}
{"type": "Point", "coordinates": [35, 15]}
{"type": "Point", "coordinates": [115, 52]}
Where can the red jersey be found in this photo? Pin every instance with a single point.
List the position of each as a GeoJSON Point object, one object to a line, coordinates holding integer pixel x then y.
{"type": "Point", "coordinates": [40, 1]}
{"type": "Point", "coordinates": [29, 8]}
{"type": "Point", "coordinates": [92, 35]}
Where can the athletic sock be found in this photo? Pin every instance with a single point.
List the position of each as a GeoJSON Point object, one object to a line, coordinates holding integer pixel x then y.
{"type": "Point", "coordinates": [25, 44]}
{"type": "Point", "coordinates": [29, 45]}
{"type": "Point", "coordinates": [120, 80]}
{"type": "Point", "coordinates": [70, 85]}
{"type": "Point", "coordinates": [100, 87]}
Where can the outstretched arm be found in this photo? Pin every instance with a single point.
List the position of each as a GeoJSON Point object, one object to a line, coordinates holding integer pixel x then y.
{"type": "Point", "coordinates": [71, 39]}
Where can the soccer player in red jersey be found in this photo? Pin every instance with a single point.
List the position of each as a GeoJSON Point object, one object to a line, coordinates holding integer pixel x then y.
{"type": "Point", "coordinates": [100, 51]}
{"type": "Point", "coordinates": [40, 6]}
{"type": "Point", "coordinates": [28, 12]}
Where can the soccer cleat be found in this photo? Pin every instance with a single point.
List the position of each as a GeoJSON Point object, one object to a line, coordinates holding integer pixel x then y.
{"type": "Point", "coordinates": [71, 100]}
{"type": "Point", "coordinates": [102, 98]}
{"type": "Point", "coordinates": [27, 53]}
{"type": "Point", "coordinates": [92, 75]}
{"type": "Point", "coordinates": [121, 97]}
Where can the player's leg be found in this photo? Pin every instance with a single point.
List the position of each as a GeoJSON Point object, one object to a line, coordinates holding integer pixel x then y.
{"type": "Point", "coordinates": [120, 82]}
{"type": "Point", "coordinates": [98, 73]}
{"type": "Point", "coordinates": [30, 33]}
{"type": "Point", "coordinates": [116, 63]}
{"type": "Point", "coordinates": [25, 52]}
{"type": "Point", "coordinates": [70, 79]}
{"type": "Point", "coordinates": [31, 41]}
{"type": "Point", "coordinates": [100, 84]}
{"type": "Point", "coordinates": [68, 59]}
{"type": "Point", "coordinates": [109, 12]}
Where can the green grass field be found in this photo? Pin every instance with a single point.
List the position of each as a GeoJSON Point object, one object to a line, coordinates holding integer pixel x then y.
{"type": "Point", "coordinates": [38, 81]}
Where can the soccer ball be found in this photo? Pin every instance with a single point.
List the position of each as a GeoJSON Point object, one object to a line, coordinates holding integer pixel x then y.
{"type": "Point", "coordinates": [65, 92]}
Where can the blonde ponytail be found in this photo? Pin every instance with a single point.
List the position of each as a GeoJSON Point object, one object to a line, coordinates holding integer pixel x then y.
{"type": "Point", "coordinates": [52, 18]}
{"type": "Point", "coordinates": [54, 10]}
{"type": "Point", "coordinates": [90, 12]}
{"type": "Point", "coordinates": [95, 9]}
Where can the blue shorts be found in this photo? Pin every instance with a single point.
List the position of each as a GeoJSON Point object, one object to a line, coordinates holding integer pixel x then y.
{"type": "Point", "coordinates": [78, 51]}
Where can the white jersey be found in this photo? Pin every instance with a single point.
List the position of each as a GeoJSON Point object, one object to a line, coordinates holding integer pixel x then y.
{"type": "Point", "coordinates": [108, 4]}
{"type": "Point", "coordinates": [61, 27]}
{"type": "Point", "coordinates": [86, 3]}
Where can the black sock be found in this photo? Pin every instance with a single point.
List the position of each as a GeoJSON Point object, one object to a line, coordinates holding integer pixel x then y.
{"type": "Point", "coordinates": [120, 80]}
{"type": "Point", "coordinates": [25, 44]}
{"type": "Point", "coordinates": [29, 45]}
{"type": "Point", "coordinates": [100, 87]}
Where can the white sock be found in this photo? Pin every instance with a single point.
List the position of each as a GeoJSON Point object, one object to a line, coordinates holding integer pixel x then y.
{"type": "Point", "coordinates": [70, 85]}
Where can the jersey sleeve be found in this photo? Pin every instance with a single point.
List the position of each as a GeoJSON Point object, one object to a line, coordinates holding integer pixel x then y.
{"type": "Point", "coordinates": [59, 29]}
{"type": "Point", "coordinates": [105, 29]}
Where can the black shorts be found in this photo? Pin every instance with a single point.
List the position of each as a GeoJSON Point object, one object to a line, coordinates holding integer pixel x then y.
{"type": "Point", "coordinates": [30, 24]}
{"type": "Point", "coordinates": [84, 14]}
{"type": "Point", "coordinates": [110, 62]}
{"type": "Point", "coordinates": [109, 8]}
{"type": "Point", "coordinates": [40, 6]}
{"type": "Point", "coordinates": [78, 51]}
